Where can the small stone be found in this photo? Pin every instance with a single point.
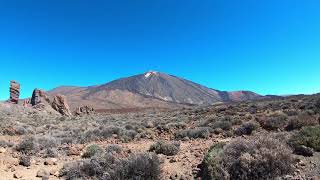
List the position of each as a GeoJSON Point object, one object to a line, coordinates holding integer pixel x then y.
{"type": "Point", "coordinates": [54, 172]}
{"type": "Point", "coordinates": [17, 175]}
{"type": "Point", "coordinates": [3, 150]}
{"type": "Point", "coordinates": [42, 173]}
{"type": "Point", "coordinates": [51, 162]}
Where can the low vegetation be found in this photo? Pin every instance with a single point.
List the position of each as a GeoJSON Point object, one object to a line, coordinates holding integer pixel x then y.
{"type": "Point", "coordinates": [307, 136]}
{"type": "Point", "coordinates": [166, 148]}
{"type": "Point", "coordinates": [254, 158]}
{"type": "Point", "coordinates": [136, 167]}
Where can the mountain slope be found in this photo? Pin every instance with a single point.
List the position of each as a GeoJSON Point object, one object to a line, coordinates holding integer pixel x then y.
{"type": "Point", "coordinates": [151, 89]}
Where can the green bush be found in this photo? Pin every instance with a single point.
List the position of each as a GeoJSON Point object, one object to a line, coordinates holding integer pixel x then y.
{"type": "Point", "coordinates": [307, 136]}
{"type": "Point", "coordinates": [162, 147]}
{"type": "Point", "coordinates": [210, 167]}
{"type": "Point", "coordinates": [253, 158]}
{"type": "Point", "coordinates": [92, 150]}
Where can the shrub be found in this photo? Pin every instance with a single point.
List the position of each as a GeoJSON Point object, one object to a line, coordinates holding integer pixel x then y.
{"type": "Point", "coordinates": [254, 158]}
{"type": "Point", "coordinates": [92, 150]}
{"type": "Point", "coordinates": [136, 167]}
{"type": "Point", "coordinates": [200, 132]}
{"type": "Point", "coordinates": [28, 146]}
{"type": "Point", "coordinates": [47, 142]}
{"type": "Point", "coordinates": [210, 167]}
{"type": "Point", "coordinates": [246, 129]}
{"type": "Point", "coordinates": [25, 161]}
{"type": "Point", "coordinates": [301, 121]}
{"type": "Point", "coordinates": [141, 166]}
{"type": "Point", "coordinates": [113, 148]}
{"type": "Point", "coordinates": [275, 123]}
{"type": "Point", "coordinates": [51, 153]}
{"type": "Point", "coordinates": [224, 125]}
{"type": "Point", "coordinates": [162, 147]}
{"type": "Point", "coordinates": [317, 105]}
{"type": "Point", "coordinates": [307, 136]}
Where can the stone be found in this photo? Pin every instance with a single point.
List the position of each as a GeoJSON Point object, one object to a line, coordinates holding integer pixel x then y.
{"type": "Point", "coordinates": [17, 175]}
{"type": "Point", "coordinates": [42, 173]}
{"type": "Point", "coordinates": [39, 97]}
{"type": "Point", "coordinates": [60, 104]}
{"type": "Point", "coordinates": [84, 110]}
{"type": "Point", "coordinates": [51, 162]}
{"type": "Point", "coordinates": [2, 150]}
{"type": "Point", "coordinates": [304, 151]}
{"type": "Point", "coordinates": [14, 92]}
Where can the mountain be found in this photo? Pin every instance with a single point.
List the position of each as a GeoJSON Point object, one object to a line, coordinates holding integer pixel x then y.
{"type": "Point", "coordinates": [151, 89]}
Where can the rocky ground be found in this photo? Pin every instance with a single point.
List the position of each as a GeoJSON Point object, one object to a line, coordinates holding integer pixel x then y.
{"type": "Point", "coordinates": [36, 144]}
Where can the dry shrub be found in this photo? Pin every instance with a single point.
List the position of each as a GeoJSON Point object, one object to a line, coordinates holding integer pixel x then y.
{"type": "Point", "coordinates": [253, 158]}
{"type": "Point", "coordinates": [166, 148]}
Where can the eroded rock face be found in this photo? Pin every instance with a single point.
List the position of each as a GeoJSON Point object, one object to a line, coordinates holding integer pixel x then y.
{"type": "Point", "coordinates": [14, 92]}
{"type": "Point", "coordinates": [84, 110]}
{"type": "Point", "coordinates": [39, 96]}
{"type": "Point", "coordinates": [60, 104]}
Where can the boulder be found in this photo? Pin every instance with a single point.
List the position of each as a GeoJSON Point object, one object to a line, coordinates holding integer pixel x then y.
{"type": "Point", "coordinates": [84, 110]}
{"type": "Point", "coordinates": [14, 92]}
{"type": "Point", "coordinates": [60, 104]}
{"type": "Point", "coordinates": [43, 173]}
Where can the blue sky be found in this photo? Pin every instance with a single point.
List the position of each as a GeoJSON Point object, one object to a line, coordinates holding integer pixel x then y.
{"type": "Point", "coordinates": [270, 47]}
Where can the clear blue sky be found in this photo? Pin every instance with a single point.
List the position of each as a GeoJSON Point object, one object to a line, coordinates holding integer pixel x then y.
{"type": "Point", "coordinates": [270, 46]}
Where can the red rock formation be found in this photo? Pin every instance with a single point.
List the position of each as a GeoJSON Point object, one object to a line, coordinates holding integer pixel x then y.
{"type": "Point", "coordinates": [60, 104]}
{"type": "Point", "coordinates": [39, 96]}
{"type": "Point", "coordinates": [14, 92]}
{"type": "Point", "coordinates": [84, 110]}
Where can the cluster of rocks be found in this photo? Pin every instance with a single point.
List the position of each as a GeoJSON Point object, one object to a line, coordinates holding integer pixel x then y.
{"type": "Point", "coordinates": [84, 110]}
{"type": "Point", "coordinates": [41, 100]}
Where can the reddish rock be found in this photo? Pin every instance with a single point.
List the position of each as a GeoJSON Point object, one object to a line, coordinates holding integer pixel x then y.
{"type": "Point", "coordinates": [60, 104]}
{"type": "Point", "coordinates": [84, 110]}
{"type": "Point", "coordinates": [14, 92]}
{"type": "Point", "coordinates": [39, 96]}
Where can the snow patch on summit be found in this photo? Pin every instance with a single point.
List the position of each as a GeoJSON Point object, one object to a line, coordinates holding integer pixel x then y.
{"type": "Point", "coordinates": [150, 73]}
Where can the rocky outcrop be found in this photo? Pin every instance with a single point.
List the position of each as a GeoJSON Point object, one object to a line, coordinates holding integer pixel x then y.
{"type": "Point", "coordinates": [84, 110]}
{"type": "Point", "coordinates": [39, 96]}
{"type": "Point", "coordinates": [60, 104]}
{"type": "Point", "coordinates": [14, 92]}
